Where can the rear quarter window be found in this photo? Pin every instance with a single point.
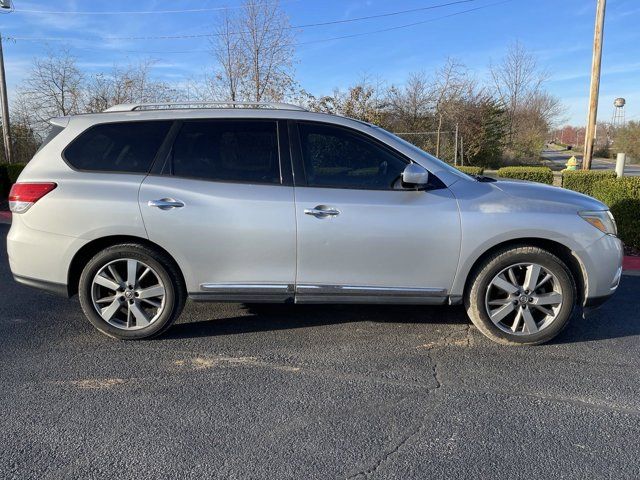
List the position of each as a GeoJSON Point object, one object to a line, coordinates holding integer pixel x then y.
{"type": "Point", "coordinates": [127, 147]}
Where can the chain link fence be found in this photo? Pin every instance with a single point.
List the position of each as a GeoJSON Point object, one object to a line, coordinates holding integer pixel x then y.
{"type": "Point", "coordinates": [428, 141]}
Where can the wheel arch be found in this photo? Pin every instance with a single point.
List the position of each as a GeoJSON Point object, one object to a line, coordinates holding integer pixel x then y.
{"type": "Point", "coordinates": [87, 251]}
{"type": "Point", "coordinates": [563, 252]}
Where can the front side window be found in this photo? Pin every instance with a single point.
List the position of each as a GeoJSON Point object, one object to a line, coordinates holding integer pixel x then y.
{"type": "Point", "coordinates": [338, 157]}
{"type": "Point", "coordinates": [128, 147]}
{"type": "Point", "coordinates": [227, 151]}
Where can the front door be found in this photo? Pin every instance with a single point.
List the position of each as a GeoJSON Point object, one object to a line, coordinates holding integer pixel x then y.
{"type": "Point", "coordinates": [361, 236]}
{"type": "Point", "coordinates": [222, 209]}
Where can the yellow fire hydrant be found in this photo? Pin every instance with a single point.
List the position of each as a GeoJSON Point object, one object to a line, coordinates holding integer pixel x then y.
{"type": "Point", "coordinates": [572, 163]}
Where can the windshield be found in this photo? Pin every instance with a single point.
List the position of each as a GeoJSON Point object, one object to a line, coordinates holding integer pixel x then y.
{"type": "Point", "coordinates": [418, 151]}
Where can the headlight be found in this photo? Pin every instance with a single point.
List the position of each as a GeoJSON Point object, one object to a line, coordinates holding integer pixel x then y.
{"type": "Point", "coordinates": [602, 220]}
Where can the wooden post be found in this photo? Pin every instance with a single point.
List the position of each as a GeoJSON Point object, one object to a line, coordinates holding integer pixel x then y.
{"type": "Point", "coordinates": [589, 139]}
{"type": "Point", "coordinates": [438, 137]}
{"type": "Point", "coordinates": [455, 149]}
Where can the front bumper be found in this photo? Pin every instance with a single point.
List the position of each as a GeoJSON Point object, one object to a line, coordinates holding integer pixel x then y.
{"type": "Point", "coordinates": [601, 263]}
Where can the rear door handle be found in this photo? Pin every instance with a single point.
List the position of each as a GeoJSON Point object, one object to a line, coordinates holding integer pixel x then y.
{"type": "Point", "coordinates": [166, 203]}
{"type": "Point", "coordinates": [322, 211]}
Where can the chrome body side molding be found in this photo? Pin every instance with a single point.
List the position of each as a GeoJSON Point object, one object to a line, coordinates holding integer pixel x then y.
{"type": "Point", "coordinates": [233, 292]}
{"type": "Point", "coordinates": [368, 290]}
{"type": "Point", "coordinates": [304, 293]}
{"type": "Point", "coordinates": [369, 294]}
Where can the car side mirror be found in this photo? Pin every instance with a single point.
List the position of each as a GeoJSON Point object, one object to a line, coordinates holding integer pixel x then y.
{"type": "Point", "coordinates": [415, 175]}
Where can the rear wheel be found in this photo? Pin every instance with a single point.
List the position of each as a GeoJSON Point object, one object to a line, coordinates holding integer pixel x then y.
{"type": "Point", "coordinates": [521, 295]}
{"type": "Point", "coordinates": [130, 292]}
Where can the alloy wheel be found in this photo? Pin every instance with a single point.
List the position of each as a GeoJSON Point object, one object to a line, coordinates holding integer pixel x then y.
{"type": "Point", "coordinates": [128, 294]}
{"type": "Point", "coordinates": [523, 299]}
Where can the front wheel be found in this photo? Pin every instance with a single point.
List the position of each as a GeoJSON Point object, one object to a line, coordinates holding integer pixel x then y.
{"type": "Point", "coordinates": [521, 296]}
{"type": "Point", "coordinates": [131, 292]}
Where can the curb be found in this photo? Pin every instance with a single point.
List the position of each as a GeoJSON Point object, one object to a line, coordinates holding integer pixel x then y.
{"type": "Point", "coordinates": [629, 264]}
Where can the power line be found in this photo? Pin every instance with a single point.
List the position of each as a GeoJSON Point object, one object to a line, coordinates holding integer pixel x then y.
{"type": "Point", "coordinates": [405, 25]}
{"type": "Point", "coordinates": [353, 35]}
{"type": "Point", "coordinates": [143, 12]}
{"type": "Point", "coordinates": [292, 27]}
{"type": "Point", "coordinates": [371, 32]}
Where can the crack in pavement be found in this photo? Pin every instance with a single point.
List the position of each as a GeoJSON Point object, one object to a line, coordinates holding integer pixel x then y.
{"type": "Point", "coordinates": [406, 438]}
{"type": "Point", "coordinates": [387, 454]}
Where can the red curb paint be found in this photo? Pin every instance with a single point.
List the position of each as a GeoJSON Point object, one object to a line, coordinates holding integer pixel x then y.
{"type": "Point", "coordinates": [631, 263]}
{"type": "Point", "coordinates": [5, 215]}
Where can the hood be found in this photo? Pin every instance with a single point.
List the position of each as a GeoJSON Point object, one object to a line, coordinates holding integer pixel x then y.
{"type": "Point", "coordinates": [547, 193]}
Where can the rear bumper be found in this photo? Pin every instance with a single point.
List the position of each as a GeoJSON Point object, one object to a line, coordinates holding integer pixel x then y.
{"type": "Point", "coordinates": [40, 259]}
{"type": "Point", "coordinates": [51, 287]}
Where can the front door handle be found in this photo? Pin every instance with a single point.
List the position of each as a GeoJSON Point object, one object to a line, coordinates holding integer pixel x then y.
{"type": "Point", "coordinates": [322, 211]}
{"type": "Point", "coordinates": [166, 203]}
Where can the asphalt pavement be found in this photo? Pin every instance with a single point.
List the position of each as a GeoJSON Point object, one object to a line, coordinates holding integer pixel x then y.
{"type": "Point", "coordinates": [306, 392]}
{"type": "Point", "coordinates": [559, 158]}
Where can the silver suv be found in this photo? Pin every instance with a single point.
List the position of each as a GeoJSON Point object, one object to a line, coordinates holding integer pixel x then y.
{"type": "Point", "coordinates": [143, 206]}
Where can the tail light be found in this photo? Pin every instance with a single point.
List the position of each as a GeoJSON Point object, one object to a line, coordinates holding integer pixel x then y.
{"type": "Point", "coordinates": [23, 195]}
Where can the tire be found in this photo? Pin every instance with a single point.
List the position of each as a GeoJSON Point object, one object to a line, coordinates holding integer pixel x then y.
{"type": "Point", "coordinates": [488, 297]}
{"type": "Point", "coordinates": [142, 308]}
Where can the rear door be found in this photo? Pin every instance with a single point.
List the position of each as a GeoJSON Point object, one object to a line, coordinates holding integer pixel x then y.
{"type": "Point", "coordinates": [361, 236]}
{"type": "Point", "coordinates": [223, 207]}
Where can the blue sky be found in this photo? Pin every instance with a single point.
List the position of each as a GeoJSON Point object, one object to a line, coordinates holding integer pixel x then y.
{"type": "Point", "coordinates": [559, 32]}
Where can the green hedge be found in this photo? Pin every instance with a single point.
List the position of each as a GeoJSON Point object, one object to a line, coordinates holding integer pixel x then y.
{"type": "Point", "coordinates": [9, 173]}
{"type": "Point", "coordinates": [583, 181]}
{"type": "Point", "coordinates": [622, 195]}
{"type": "Point", "coordinates": [533, 174]}
{"type": "Point", "coordinates": [472, 170]}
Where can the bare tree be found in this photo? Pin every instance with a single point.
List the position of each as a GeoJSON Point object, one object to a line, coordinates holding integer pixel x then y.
{"type": "Point", "coordinates": [228, 52]}
{"type": "Point", "coordinates": [411, 104]}
{"type": "Point", "coordinates": [451, 83]}
{"type": "Point", "coordinates": [255, 51]}
{"type": "Point", "coordinates": [53, 88]}
{"type": "Point", "coordinates": [518, 83]}
{"type": "Point", "coordinates": [129, 84]}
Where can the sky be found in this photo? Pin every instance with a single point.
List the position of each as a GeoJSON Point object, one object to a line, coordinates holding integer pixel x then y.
{"type": "Point", "coordinates": [474, 32]}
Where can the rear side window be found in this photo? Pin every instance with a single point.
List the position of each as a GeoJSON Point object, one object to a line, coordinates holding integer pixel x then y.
{"type": "Point", "coordinates": [128, 147]}
{"type": "Point", "coordinates": [227, 151]}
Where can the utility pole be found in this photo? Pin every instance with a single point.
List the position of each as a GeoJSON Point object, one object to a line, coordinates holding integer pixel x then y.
{"type": "Point", "coordinates": [589, 139]}
{"type": "Point", "coordinates": [6, 129]}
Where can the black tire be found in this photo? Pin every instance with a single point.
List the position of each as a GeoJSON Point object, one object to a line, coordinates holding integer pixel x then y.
{"type": "Point", "coordinates": [480, 280]}
{"type": "Point", "coordinates": [163, 266]}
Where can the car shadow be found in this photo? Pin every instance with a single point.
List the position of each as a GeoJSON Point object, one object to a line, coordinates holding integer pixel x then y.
{"type": "Point", "coordinates": [618, 318]}
{"type": "Point", "coordinates": [272, 317]}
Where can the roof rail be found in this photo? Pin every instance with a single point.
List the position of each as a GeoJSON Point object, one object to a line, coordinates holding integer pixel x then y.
{"type": "Point", "coordinates": [132, 107]}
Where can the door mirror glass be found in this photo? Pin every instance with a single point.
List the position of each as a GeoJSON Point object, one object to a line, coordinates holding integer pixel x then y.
{"type": "Point", "coordinates": [415, 175]}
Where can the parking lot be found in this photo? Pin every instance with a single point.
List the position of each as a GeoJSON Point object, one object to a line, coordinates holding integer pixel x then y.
{"type": "Point", "coordinates": [237, 391]}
